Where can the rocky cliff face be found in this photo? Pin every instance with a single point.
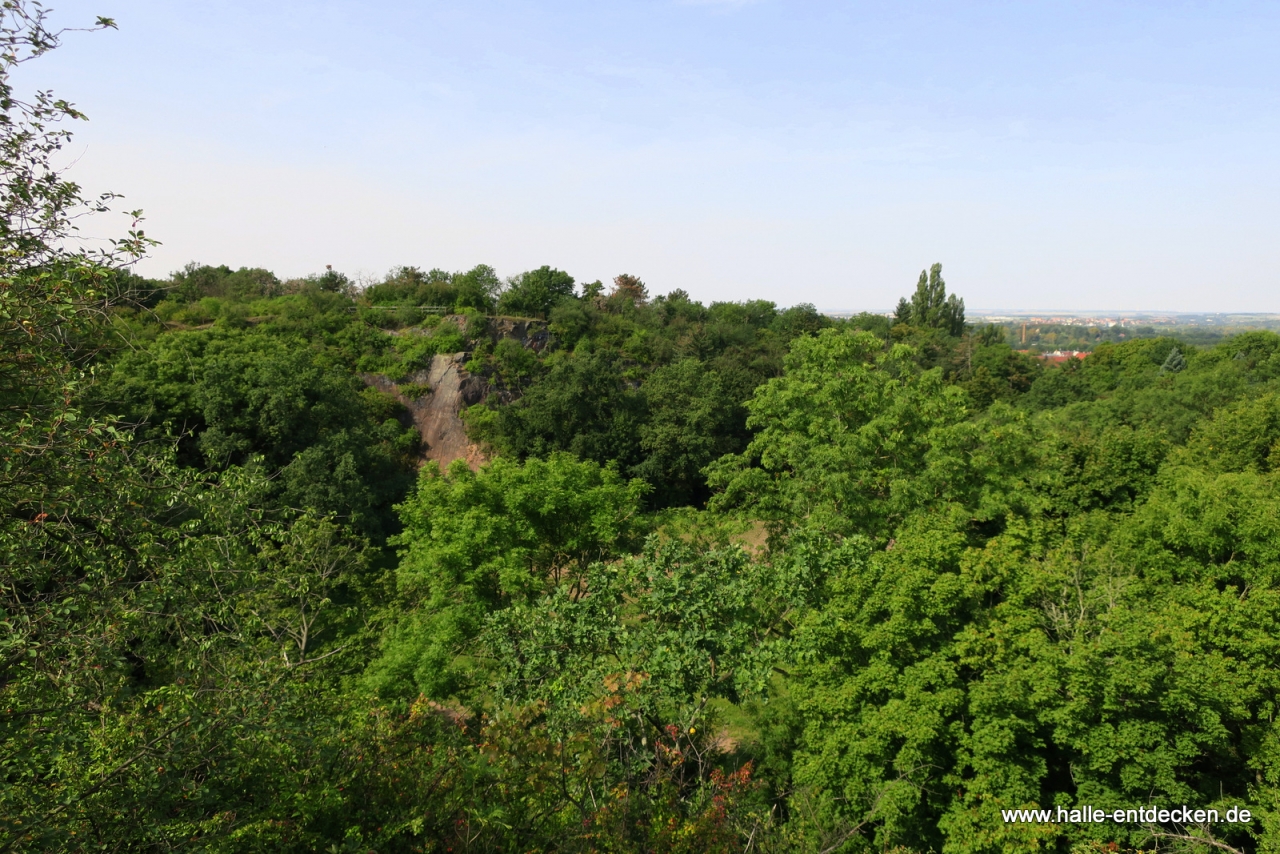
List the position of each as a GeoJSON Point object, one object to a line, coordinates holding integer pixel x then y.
{"type": "Point", "coordinates": [444, 437]}
{"type": "Point", "coordinates": [436, 414]}
{"type": "Point", "coordinates": [533, 334]}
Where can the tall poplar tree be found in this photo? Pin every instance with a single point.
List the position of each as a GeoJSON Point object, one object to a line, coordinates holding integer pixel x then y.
{"type": "Point", "coordinates": [930, 306]}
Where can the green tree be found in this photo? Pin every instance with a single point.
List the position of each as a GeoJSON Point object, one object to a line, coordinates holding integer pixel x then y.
{"type": "Point", "coordinates": [994, 371]}
{"type": "Point", "coordinates": [536, 292]}
{"type": "Point", "coordinates": [232, 396]}
{"type": "Point", "coordinates": [584, 405]}
{"type": "Point", "coordinates": [841, 438]}
{"type": "Point", "coordinates": [409, 289]}
{"type": "Point", "coordinates": [478, 288]}
{"type": "Point", "coordinates": [1059, 385]}
{"type": "Point", "coordinates": [659, 643]}
{"type": "Point", "coordinates": [1239, 437]}
{"type": "Point", "coordinates": [941, 683]}
{"type": "Point", "coordinates": [694, 418]}
{"type": "Point", "coordinates": [196, 281]}
{"type": "Point", "coordinates": [155, 625]}
{"type": "Point", "coordinates": [1174, 362]}
{"type": "Point", "coordinates": [475, 542]}
{"type": "Point", "coordinates": [931, 307]}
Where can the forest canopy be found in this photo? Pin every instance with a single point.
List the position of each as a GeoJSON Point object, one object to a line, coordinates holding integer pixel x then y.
{"type": "Point", "coordinates": [718, 577]}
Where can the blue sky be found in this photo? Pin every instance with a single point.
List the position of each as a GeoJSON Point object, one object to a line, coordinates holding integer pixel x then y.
{"type": "Point", "coordinates": [1074, 155]}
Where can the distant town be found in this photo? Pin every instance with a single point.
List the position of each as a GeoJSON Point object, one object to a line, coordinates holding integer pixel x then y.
{"type": "Point", "coordinates": [1126, 319]}
{"type": "Point", "coordinates": [1259, 320]}
{"type": "Point", "coordinates": [1061, 335]}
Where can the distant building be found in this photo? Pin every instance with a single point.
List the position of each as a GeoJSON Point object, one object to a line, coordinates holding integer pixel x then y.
{"type": "Point", "coordinates": [1063, 355]}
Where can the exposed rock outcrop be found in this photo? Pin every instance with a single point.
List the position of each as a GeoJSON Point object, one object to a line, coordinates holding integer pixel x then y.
{"type": "Point", "coordinates": [436, 414]}
{"type": "Point", "coordinates": [533, 334]}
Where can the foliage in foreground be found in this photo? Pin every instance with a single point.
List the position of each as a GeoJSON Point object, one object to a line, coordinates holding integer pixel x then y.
{"type": "Point", "coordinates": [935, 580]}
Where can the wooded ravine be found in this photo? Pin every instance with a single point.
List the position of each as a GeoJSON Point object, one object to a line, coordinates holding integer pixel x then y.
{"type": "Point", "coordinates": [452, 562]}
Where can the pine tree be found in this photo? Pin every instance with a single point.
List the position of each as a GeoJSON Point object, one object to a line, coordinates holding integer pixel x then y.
{"type": "Point", "coordinates": [1174, 362]}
